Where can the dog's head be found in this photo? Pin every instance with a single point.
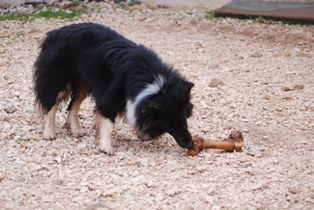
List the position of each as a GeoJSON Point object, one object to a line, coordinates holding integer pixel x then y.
{"type": "Point", "coordinates": [166, 112]}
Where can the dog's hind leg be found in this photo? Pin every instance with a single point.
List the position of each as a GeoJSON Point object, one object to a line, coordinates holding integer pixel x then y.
{"type": "Point", "coordinates": [104, 128]}
{"type": "Point", "coordinates": [72, 121]}
{"type": "Point", "coordinates": [49, 131]}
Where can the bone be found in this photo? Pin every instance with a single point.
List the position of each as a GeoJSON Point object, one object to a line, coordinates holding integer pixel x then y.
{"type": "Point", "coordinates": [234, 142]}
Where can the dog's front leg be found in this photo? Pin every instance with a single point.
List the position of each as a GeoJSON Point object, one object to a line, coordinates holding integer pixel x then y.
{"type": "Point", "coordinates": [104, 128]}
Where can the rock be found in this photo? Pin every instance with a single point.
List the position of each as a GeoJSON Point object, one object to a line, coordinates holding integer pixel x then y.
{"type": "Point", "coordinates": [216, 83]}
{"type": "Point", "coordinates": [58, 159]}
{"type": "Point", "coordinates": [3, 62]}
{"type": "Point", "coordinates": [296, 87]}
{"type": "Point", "coordinates": [143, 162]}
{"type": "Point", "coordinates": [256, 55]}
{"type": "Point", "coordinates": [64, 4]}
{"type": "Point", "coordinates": [81, 146]}
{"type": "Point", "coordinates": [36, 2]}
{"type": "Point", "coordinates": [255, 151]}
{"type": "Point", "coordinates": [172, 192]}
{"type": "Point", "coordinates": [98, 207]}
{"type": "Point", "coordinates": [293, 190]}
{"type": "Point", "coordinates": [34, 167]}
{"type": "Point", "coordinates": [286, 89]}
{"type": "Point", "coordinates": [286, 54]}
{"type": "Point", "coordinates": [137, 7]}
{"type": "Point", "coordinates": [152, 7]}
{"type": "Point", "coordinates": [2, 176]}
{"type": "Point", "coordinates": [10, 109]}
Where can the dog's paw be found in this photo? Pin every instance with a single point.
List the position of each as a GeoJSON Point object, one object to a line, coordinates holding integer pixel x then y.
{"type": "Point", "coordinates": [49, 135]}
{"type": "Point", "coordinates": [74, 130]}
{"type": "Point", "coordinates": [77, 133]}
{"type": "Point", "coordinates": [106, 149]}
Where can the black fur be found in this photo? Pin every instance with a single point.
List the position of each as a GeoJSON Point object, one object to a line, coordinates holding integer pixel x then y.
{"type": "Point", "coordinates": [113, 69]}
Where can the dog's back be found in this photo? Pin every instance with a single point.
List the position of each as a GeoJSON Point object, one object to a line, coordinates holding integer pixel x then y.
{"type": "Point", "coordinates": [66, 53]}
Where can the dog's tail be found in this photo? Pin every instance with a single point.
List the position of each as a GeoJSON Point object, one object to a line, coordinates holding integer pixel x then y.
{"type": "Point", "coordinates": [50, 79]}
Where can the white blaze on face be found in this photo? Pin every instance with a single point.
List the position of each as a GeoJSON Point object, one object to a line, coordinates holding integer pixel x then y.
{"type": "Point", "coordinates": [150, 89]}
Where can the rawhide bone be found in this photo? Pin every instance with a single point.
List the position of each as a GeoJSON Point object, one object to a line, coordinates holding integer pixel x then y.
{"type": "Point", "coordinates": [234, 142]}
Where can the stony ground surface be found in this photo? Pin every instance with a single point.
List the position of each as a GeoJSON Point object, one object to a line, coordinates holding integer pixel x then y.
{"type": "Point", "coordinates": [265, 88]}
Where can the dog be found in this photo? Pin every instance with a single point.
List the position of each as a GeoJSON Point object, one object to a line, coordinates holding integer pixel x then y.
{"type": "Point", "coordinates": [89, 59]}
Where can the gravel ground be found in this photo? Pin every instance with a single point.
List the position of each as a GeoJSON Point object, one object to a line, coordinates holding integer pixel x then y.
{"type": "Point", "coordinates": [265, 88]}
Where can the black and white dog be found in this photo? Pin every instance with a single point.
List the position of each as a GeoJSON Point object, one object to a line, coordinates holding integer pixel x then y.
{"type": "Point", "coordinates": [121, 76]}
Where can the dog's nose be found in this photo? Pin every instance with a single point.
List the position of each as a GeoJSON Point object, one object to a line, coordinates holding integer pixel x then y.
{"type": "Point", "coordinates": [143, 136]}
{"type": "Point", "coordinates": [190, 145]}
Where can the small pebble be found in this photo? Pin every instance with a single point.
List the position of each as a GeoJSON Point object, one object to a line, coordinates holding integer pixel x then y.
{"type": "Point", "coordinates": [216, 83]}
{"type": "Point", "coordinates": [10, 109]}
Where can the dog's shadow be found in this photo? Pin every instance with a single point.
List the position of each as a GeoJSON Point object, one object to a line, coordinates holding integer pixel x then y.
{"type": "Point", "coordinates": [137, 146]}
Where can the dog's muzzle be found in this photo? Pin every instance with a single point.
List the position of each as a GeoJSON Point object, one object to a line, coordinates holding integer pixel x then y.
{"type": "Point", "coordinates": [143, 136]}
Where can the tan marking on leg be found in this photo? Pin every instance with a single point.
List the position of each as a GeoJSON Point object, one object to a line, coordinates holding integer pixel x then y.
{"type": "Point", "coordinates": [39, 110]}
{"type": "Point", "coordinates": [64, 95]}
{"type": "Point", "coordinates": [49, 131]}
{"type": "Point", "coordinates": [72, 119]}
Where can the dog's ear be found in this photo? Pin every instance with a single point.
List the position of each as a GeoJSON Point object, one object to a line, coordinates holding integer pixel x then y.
{"type": "Point", "coordinates": [151, 109]}
{"type": "Point", "coordinates": [185, 89]}
{"type": "Point", "coordinates": [187, 86]}
{"type": "Point", "coordinates": [151, 112]}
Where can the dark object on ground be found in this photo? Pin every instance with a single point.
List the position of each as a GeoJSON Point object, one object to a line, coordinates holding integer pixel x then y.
{"type": "Point", "coordinates": [292, 12]}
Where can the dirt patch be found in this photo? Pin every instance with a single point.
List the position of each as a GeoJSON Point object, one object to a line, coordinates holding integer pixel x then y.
{"type": "Point", "coordinates": [259, 66]}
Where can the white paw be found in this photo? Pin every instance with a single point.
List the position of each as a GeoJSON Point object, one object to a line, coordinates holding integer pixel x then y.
{"type": "Point", "coordinates": [106, 149]}
{"type": "Point", "coordinates": [74, 130]}
{"type": "Point", "coordinates": [49, 135]}
{"type": "Point", "coordinates": [77, 133]}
